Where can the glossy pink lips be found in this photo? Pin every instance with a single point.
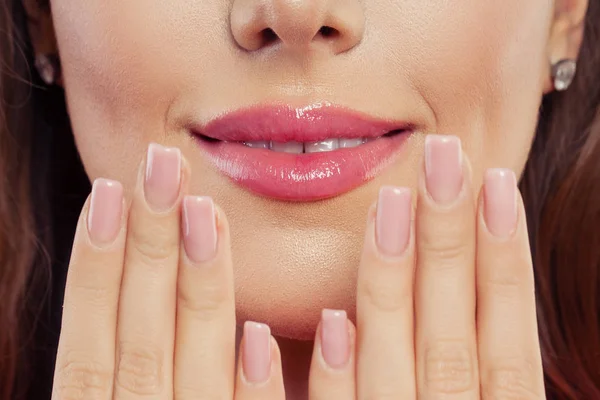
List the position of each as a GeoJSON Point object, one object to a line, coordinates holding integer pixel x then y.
{"type": "Point", "coordinates": [299, 177]}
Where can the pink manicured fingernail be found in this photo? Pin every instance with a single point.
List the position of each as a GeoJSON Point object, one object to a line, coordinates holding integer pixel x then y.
{"type": "Point", "coordinates": [199, 228]}
{"type": "Point", "coordinates": [163, 176]}
{"type": "Point", "coordinates": [392, 223]}
{"type": "Point", "coordinates": [335, 340]}
{"type": "Point", "coordinates": [106, 208]}
{"type": "Point", "coordinates": [500, 202]}
{"type": "Point", "coordinates": [256, 356]}
{"type": "Point", "coordinates": [443, 167]}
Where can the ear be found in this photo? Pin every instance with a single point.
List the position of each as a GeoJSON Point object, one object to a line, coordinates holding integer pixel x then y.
{"type": "Point", "coordinates": [566, 34]}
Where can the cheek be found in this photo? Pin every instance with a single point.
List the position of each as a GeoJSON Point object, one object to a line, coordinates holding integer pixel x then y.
{"type": "Point", "coordinates": [480, 66]}
{"type": "Point", "coordinates": [122, 64]}
{"type": "Point", "coordinates": [493, 68]}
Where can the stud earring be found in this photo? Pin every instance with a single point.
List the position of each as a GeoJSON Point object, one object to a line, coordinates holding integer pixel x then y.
{"type": "Point", "coordinates": [48, 67]}
{"type": "Point", "coordinates": [563, 73]}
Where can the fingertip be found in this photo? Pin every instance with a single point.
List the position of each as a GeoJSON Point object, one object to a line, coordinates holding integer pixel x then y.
{"type": "Point", "coordinates": [257, 353]}
{"type": "Point", "coordinates": [333, 337]}
{"type": "Point", "coordinates": [103, 212]}
{"type": "Point", "coordinates": [500, 208]}
{"type": "Point", "coordinates": [163, 178]}
{"type": "Point", "coordinates": [332, 369]}
{"type": "Point", "coordinates": [445, 177]}
{"type": "Point", "coordinates": [200, 236]}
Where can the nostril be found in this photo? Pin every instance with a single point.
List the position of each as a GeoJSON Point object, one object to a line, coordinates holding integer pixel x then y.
{"type": "Point", "coordinates": [268, 36]}
{"type": "Point", "coordinates": [329, 32]}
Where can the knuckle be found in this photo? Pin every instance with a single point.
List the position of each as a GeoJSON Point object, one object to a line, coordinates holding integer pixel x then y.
{"type": "Point", "coordinates": [97, 297]}
{"type": "Point", "coordinates": [155, 247]}
{"type": "Point", "coordinates": [385, 294]}
{"type": "Point", "coordinates": [140, 369]}
{"type": "Point", "coordinates": [511, 382]}
{"type": "Point", "coordinates": [444, 252]}
{"type": "Point", "coordinates": [449, 368]}
{"type": "Point", "coordinates": [505, 288]}
{"type": "Point", "coordinates": [79, 380]}
{"type": "Point", "coordinates": [206, 303]}
{"type": "Point", "coordinates": [508, 283]}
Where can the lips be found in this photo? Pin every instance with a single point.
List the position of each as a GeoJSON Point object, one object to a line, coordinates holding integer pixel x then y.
{"type": "Point", "coordinates": [300, 154]}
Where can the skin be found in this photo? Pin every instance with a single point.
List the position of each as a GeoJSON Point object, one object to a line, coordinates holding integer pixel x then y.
{"type": "Point", "coordinates": [475, 69]}
{"type": "Point", "coordinates": [130, 76]}
{"type": "Point", "coordinates": [121, 338]}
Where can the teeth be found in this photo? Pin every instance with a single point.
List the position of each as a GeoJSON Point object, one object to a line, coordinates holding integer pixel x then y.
{"type": "Point", "coordinates": [349, 143]}
{"type": "Point", "coordinates": [309, 147]}
{"type": "Point", "coordinates": [261, 144]}
{"type": "Point", "coordinates": [324, 145]}
{"type": "Point", "coordinates": [288, 147]}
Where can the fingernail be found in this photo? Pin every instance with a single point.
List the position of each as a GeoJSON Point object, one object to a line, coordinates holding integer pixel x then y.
{"type": "Point", "coordinates": [443, 167]}
{"type": "Point", "coordinates": [106, 208]}
{"type": "Point", "coordinates": [199, 228]}
{"type": "Point", "coordinates": [256, 356]}
{"type": "Point", "coordinates": [392, 222]}
{"type": "Point", "coordinates": [500, 202]}
{"type": "Point", "coordinates": [335, 340]}
{"type": "Point", "coordinates": [163, 175]}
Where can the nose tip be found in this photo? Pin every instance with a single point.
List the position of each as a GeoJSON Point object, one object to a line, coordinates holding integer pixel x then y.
{"type": "Point", "coordinates": [297, 24]}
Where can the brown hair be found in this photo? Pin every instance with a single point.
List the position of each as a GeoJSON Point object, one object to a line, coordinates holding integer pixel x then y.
{"type": "Point", "coordinates": [17, 223]}
{"type": "Point", "coordinates": [560, 185]}
{"type": "Point", "coordinates": [561, 189]}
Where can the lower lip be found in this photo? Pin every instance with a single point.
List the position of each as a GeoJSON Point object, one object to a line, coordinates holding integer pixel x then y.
{"type": "Point", "coordinates": [303, 177]}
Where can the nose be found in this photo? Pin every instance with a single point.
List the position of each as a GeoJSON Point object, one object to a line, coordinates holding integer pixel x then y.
{"type": "Point", "coordinates": [336, 25]}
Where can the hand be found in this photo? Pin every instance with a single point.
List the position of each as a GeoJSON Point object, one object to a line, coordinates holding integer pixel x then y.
{"type": "Point", "coordinates": [149, 305]}
{"type": "Point", "coordinates": [119, 339]}
{"type": "Point", "coordinates": [466, 328]}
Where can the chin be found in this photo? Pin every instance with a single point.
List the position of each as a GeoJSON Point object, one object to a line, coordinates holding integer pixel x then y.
{"type": "Point", "coordinates": [303, 272]}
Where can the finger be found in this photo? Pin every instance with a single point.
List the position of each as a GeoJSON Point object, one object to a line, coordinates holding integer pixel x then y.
{"type": "Point", "coordinates": [509, 349]}
{"type": "Point", "coordinates": [446, 345]}
{"type": "Point", "coordinates": [205, 337]}
{"type": "Point", "coordinates": [333, 363]}
{"type": "Point", "coordinates": [146, 323]}
{"type": "Point", "coordinates": [385, 350]}
{"type": "Point", "coordinates": [259, 374]}
{"type": "Point", "coordinates": [86, 351]}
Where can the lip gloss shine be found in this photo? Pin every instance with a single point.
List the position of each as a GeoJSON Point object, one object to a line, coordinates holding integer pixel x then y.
{"type": "Point", "coordinates": [305, 176]}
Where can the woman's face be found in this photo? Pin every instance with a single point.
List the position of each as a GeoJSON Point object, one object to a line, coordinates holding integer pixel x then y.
{"type": "Point", "coordinates": [140, 71]}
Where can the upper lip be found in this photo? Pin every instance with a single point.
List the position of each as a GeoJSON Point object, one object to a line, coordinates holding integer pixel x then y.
{"type": "Point", "coordinates": [313, 123]}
